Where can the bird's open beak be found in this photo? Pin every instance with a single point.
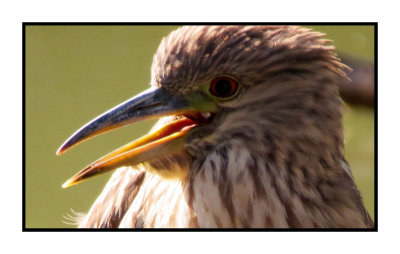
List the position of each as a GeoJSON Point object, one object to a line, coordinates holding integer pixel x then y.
{"type": "Point", "coordinates": [153, 103]}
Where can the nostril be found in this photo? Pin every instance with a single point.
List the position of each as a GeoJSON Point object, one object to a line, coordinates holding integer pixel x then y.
{"type": "Point", "coordinates": [141, 107]}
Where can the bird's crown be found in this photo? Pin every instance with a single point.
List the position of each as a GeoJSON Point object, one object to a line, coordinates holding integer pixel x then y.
{"type": "Point", "coordinates": [193, 55]}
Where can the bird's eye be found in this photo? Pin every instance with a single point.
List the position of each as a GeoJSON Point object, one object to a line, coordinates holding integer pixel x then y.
{"type": "Point", "coordinates": [223, 87]}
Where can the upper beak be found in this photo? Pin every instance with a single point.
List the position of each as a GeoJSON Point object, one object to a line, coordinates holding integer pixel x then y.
{"type": "Point", "coordinates": [153, 103]}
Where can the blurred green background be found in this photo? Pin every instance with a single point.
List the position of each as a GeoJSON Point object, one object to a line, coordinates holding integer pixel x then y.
{"type": "Point", "coordinates": [74, 73]}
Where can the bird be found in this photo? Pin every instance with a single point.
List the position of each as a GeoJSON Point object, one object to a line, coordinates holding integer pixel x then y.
{"type": "Point", "coordinates": [249, 136]}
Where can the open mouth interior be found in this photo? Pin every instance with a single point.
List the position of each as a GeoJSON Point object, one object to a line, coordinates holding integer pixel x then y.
{"type": "Point", "coordinates": [172, 130]}
{"type": "Point", "coordinates": [197, 118]}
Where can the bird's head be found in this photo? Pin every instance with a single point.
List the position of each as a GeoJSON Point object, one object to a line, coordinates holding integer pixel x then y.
{"type": "Point", "coordinates": [255, 84]}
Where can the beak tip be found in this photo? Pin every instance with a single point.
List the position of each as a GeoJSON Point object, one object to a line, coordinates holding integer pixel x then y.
{"type": "Point", "coordinates": [68, 144]}
{"type": "Point", "coordinates": [62, 149]}
{"type": "Point", "coordinates": [59, 152]}
{"type": "Point", "coordinates": [67, 184]}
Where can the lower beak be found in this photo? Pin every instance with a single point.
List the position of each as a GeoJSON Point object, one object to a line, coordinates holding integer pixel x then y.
{"type": "Point", "coordinates": [153, 103]}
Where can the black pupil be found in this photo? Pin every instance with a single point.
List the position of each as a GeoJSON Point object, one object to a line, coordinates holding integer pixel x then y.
{"type": "Point", "coordinates": [223, 88]}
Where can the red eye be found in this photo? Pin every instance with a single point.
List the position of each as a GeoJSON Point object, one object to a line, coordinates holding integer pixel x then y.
{"type": "Point", "coordinates": [223, 87]}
